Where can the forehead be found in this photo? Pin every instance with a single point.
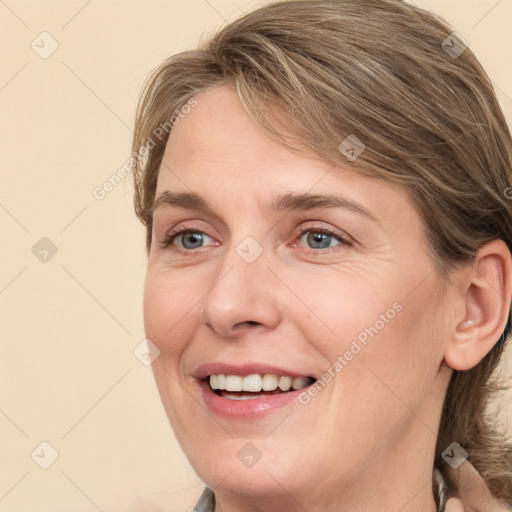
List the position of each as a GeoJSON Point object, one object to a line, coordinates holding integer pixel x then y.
{"type": "Point", "coordinates": [219, 129]}
{"type": "Point", "coordinates": [217, 147]}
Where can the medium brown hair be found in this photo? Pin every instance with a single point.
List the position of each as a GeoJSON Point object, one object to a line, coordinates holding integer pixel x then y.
{"type": "Point", "coordinates": [382, 71]}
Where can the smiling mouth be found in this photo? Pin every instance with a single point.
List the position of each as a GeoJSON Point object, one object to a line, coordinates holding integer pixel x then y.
{"type": "Point", "coordinates": [236, 387]}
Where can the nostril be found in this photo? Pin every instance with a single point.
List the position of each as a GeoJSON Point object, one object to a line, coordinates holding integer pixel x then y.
{"type": "Point", "coordinates": [241, 325]}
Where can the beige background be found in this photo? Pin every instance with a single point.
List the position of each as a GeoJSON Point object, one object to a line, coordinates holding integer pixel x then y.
{"type": "Point", "coordinates": [68, 375]}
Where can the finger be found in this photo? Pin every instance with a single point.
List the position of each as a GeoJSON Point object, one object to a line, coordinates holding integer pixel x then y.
{"type": "Point", "coordinates": [454, 505]}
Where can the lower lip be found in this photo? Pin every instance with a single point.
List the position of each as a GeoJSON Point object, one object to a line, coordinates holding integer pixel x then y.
{"type": "Point", "coordinates": [245, 409]}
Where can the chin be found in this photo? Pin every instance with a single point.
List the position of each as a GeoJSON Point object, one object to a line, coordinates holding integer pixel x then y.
{"type": "Point", "coordinates": [243, 466]}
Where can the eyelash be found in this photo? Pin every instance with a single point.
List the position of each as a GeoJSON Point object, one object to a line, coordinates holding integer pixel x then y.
{"type": "Point", "coordinates": [299, 232]}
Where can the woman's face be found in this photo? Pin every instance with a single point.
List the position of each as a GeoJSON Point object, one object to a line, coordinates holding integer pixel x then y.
{"type": "Point", "coordinates": [270, 281]}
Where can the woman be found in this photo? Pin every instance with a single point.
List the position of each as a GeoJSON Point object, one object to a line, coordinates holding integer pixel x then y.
{"type": "Point", "coordinates": [326, 191]}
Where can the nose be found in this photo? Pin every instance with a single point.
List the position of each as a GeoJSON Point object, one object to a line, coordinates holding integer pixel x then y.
{"type": "Point", "coordinates": [244, 297]}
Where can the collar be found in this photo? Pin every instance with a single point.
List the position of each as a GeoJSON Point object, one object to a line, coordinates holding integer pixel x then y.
{"type": "Point", "coordinates": [206, 502]}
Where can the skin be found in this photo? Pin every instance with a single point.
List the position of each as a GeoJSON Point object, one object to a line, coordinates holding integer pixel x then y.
{"type": "Point", "coordinates": [455, 505]}
{"type": "Point", "coordinates": [366, 441]}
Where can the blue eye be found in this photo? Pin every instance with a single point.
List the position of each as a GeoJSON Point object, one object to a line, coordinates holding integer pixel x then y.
{"type": "Point", "coordinates": [321, 238]}
{"type": "Point", "coordinates": [189, 239]}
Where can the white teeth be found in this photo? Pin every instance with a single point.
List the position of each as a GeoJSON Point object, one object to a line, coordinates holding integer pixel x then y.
{"type": "Point", "coordinates": [234, 383]}
{"type": "Point", "coordinates": [255, 382]}
{"type": "Point", "coordinates": [269, 382]}
{"type": "Point", "coordinates": [239, 397]}
{"type": "Point", "coordinates": [285, 383]}
{"type": "Point", "coordinates": [252, 383]}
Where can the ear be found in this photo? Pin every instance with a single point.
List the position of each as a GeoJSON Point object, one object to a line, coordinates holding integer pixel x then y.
{"type": "Point", "coordinates": [485, 296]}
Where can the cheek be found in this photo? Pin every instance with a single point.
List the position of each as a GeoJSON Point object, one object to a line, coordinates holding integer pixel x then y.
{"type": "Point", "coordinates": [345, 308]}
{"type": "Point", "coordinates": [400, 361]}
{"type": "Point", "coordinates": [168, 311]}
{"type": "Point", "coordinates": [374, 325]}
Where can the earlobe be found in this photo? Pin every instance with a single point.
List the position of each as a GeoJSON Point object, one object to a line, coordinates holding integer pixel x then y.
{"type": "Point", "coordinates": [486, 306]}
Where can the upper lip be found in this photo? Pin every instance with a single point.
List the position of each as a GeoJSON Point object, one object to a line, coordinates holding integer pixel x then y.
{"type": "Point", "coordinates": [244, 369]}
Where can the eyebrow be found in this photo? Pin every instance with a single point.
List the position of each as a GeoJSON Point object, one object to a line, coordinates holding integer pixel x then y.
{"type": "Point", "coordinates": [282, 202]}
